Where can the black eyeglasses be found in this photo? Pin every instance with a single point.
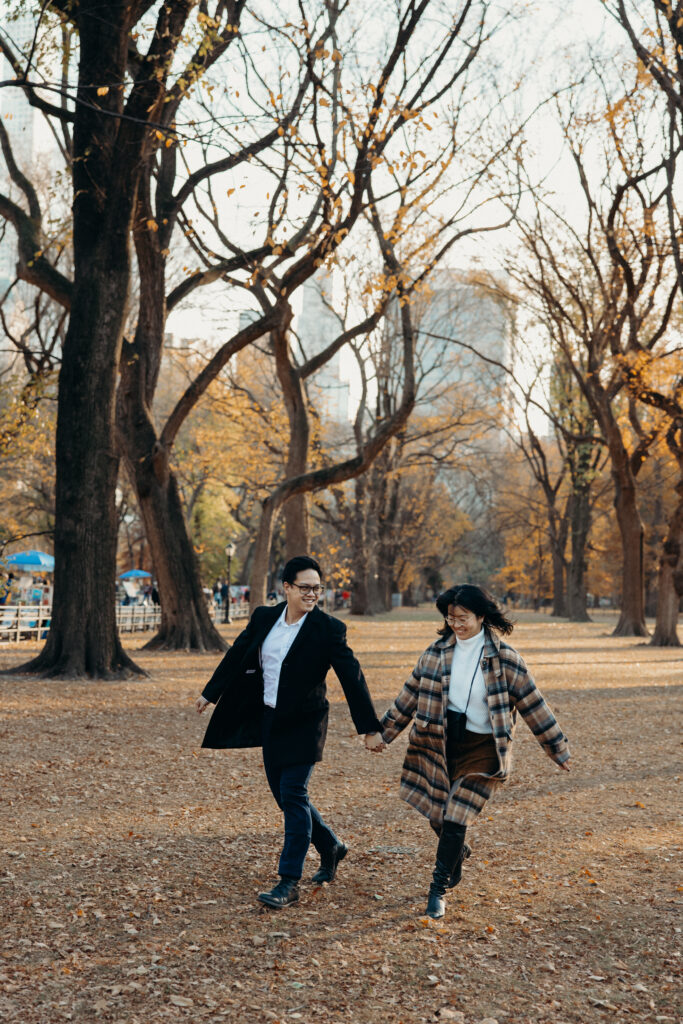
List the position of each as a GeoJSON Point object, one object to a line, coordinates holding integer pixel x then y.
{"type": "Point", "coordinates": [306, 588]}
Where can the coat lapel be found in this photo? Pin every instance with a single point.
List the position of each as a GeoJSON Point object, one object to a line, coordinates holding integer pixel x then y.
{"type": "Point", "coordinates": [267, 624]}
{"type": "Point", "coordinates": [446, 662]}
{"type": "Point", "coordinates": [305, 631]}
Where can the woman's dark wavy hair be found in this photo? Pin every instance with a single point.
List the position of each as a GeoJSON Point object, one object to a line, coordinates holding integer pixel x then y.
{"type": "Point", "coordinates": [477, 601]}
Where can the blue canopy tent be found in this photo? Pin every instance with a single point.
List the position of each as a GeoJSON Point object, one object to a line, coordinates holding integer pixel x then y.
{"type": "Point", "coordinates": [30, 562]}
{"type": "Point", "coordinates": [135, 574]}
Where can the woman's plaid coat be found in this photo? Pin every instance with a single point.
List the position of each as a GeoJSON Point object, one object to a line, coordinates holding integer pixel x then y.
{"type": "Point", "coordinates": [509, 689]}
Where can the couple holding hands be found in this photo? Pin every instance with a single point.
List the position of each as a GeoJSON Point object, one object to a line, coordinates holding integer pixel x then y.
{"type": "Point", "coordinates": [462, 697]}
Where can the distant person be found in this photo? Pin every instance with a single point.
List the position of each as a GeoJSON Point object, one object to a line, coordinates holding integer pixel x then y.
{"type": "Point", "coordinates": [270, 692]}
{"type": "Point", "coordinates": [464, 695]}
{"type": "Point", "coordinates": [225, 600]}
{"type": "Point", "coordinates": [6, 589]}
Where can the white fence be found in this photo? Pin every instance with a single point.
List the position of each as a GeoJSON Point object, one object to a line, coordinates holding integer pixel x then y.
{"type": "Point", "coordinates": [32, 621]}
{"type": "Point", "coordinates": [24, 622]}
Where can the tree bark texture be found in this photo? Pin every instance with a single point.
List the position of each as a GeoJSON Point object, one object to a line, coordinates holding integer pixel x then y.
{"type": "Point", "coordinates": [185, 621]}
{"type": "Point", "coordinates": [296, 515]}
{"type": "Point", "coordinates": [632, 618]}
{"type": "Point", "coordinates": [670, 580]}
{"type": "Point", "coordinates": [580, 518]}
{"type": "Point", "coordinates": [261, 553]}
{"type": "Point", "coordinates": [83, 638]}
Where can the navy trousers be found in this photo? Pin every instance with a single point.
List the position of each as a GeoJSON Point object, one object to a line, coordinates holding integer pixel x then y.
{"type": "Point", "coordinates": [303, 822]}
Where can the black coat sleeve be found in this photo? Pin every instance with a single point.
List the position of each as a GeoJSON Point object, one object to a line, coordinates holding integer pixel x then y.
{"type": "Point", "coordinates": [350, 675]}
{"type": "Point", "coordinates": [226, 671]}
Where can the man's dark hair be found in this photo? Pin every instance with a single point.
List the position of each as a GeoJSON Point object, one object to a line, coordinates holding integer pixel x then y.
{"type": "Point", "coordinates": [299, 564]}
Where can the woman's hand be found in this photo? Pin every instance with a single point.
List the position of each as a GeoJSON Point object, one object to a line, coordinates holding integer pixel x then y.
{"type": "Point", "coordinates": [200, 704]}
{"type": "Point", "coordinates": [374, 742]}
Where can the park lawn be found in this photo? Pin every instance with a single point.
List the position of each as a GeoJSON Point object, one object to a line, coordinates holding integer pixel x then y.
{"type": "Point", "coordinates": [130, 859]}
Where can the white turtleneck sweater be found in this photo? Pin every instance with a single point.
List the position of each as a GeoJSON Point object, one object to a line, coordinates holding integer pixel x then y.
{"type": "Point", "coordinates": [467, 655]}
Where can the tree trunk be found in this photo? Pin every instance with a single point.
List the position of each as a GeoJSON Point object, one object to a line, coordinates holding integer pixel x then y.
{"type": "Point", "coordinates": [670, 580]}
{"type": "Point", "coordinates": [360, 590]}
{"type": "Point", "coordinates": [83, 638]}
{"type": "Point", "coordinates": [577, 598]}
{"type": "Point", "coordinates": [297, 523]}
{"type": "Point", "coordinates": [365, 595]}
{"type": "Point", "coordinates": [559, 592]}
{"type": "Point", "coordinates": [558, 529]}
{"type": "Point", "coordinates": [632, 619]}
{"type": "Point", "coordinates": [185, 620]}
{"type": "Point", "coordinates": [261, 554]}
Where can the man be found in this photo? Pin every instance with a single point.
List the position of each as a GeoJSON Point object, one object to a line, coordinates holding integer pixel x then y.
{"type": "Point", "coordinates": [270, 692]}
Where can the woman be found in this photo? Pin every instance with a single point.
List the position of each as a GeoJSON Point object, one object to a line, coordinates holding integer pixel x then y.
{"type": "Point", "coordinates": [464, 695]}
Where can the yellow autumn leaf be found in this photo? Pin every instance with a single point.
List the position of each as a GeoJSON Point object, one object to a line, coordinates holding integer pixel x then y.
{"type": "Point", "coordinates": [103, 90]}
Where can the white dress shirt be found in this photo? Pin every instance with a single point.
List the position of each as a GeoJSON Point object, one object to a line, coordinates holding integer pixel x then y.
{"type": "Point", "coordinates": [274, 651]}
{"type": "Point", "coordinates": [465, 667]}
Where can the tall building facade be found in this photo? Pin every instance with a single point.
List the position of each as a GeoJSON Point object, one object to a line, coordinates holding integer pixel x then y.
{"type": "Point", "coordinates": [316, 326]}
{"type": "Point", "coordinates": [19, 120]}
{"type": "Point", "coordinates": [465, 335]}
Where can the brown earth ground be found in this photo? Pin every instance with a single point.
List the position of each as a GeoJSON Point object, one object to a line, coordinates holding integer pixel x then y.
{"type": "Point", "coordinates": [130, 859]}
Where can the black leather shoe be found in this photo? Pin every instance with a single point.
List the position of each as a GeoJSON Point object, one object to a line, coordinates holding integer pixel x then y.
{"type": "Point", "coordinates": [282, 895]}
{"type": "Point", "coordinates": [329, 862]}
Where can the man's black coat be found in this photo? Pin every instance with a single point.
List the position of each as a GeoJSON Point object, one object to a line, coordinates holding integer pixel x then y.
{"type": "Point", "coordinates": [299, 725]}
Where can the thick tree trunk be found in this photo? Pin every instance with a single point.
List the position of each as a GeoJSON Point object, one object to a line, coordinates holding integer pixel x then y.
{"type": "Point", "coordinates": [670, 581]}
{"type": "Point", "coordinates": [559, 591]}
{"type": "Point", "coordinates": [365, 597]}
{"type": "Point", "coordinates": [360, 590]}
{"type": "Point", "coordinates": [632, 618]}
{"type": "Point", "coordinates": [261, 554]}
{"type": "Point", "coordinates": [83, 638]}
{"type": "Point", "coordinates": [297, 523]}
{"type": "Point", "coordinates": [185, 620]}
{"type": "Point", "coordinates": [577, 598]}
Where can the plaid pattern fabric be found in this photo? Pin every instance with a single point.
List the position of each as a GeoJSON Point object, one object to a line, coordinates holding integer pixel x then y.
{"type": "Point", "coordinates": [509, 689]}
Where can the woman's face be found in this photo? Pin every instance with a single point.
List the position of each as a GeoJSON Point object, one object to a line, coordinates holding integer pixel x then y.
{"type": "Point", "coordinates": [463, 622]}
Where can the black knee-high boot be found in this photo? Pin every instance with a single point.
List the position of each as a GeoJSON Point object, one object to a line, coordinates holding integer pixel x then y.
{"type": "Point", "coordinates": [448, 868]}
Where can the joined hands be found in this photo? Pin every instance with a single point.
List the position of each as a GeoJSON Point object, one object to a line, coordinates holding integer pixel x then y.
{"type": "Point", "coordinates": [374, 742]}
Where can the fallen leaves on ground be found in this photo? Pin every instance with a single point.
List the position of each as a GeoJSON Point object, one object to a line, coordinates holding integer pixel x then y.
{"type": "Point", "coordinates": [130, 859]}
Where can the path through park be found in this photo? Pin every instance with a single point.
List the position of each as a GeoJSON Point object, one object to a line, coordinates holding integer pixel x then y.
{"type": "Point", "coordinates": [130, 859]}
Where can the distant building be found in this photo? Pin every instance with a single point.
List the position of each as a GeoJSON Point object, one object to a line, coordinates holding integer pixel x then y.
{"type": "Point", "coordinates": [19, 120]}
{"type": "Point", "coordinates": [464, 332]}
{"type": "Point", "coordinates": [316, 326]}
